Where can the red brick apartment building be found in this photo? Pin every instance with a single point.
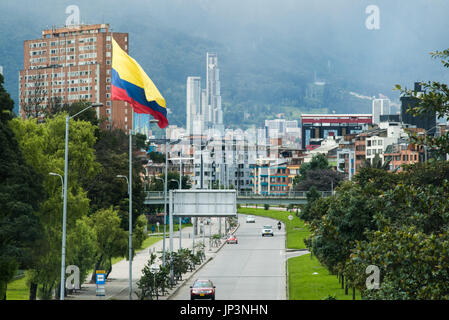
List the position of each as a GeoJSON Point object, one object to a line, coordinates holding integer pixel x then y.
{"type": "Point", "coordinates": [72, 64]}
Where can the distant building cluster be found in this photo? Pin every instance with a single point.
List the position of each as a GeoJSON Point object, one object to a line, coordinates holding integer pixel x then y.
{"type": "Point", "coordinates": [266, 160]}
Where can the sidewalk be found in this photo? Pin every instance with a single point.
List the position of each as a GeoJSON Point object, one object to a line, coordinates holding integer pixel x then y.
{"type": "Point", "coordinates": [117, 284]}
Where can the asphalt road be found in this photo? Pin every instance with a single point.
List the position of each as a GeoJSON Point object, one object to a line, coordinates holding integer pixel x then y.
{"type": "Point", "coordinates": [253, 269]}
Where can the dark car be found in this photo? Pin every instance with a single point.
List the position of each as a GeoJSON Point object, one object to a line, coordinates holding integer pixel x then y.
{"type": "Point", "coordinates": [202, 289]}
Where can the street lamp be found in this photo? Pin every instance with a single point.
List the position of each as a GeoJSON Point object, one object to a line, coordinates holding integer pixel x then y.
{"type": "Point", "coordinates": [180, 225]}
{"type": "Point", "coordinates": [154, 269]}
{"type": "Point", "coordinates": [165, 218]}
{"type": "Point", "coordinates": [64, 214]}
{"type": "Point", "coordinates": [62, 183]}
{"type": "Point", "coordinates": [165, 192]}
{"type": "Point", "coordinates": [130, 235]}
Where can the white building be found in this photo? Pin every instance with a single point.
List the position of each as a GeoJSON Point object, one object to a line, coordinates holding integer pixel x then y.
{"type": "Point", "coordinates": [193, 105]}
{"type": "Point", "coordinates": [377, 144]}
{"type": "Point", "coordinates": [380, 107]}
{"type": "Point", "coordinates": [227, 158]}
{"type": "Point", "coordinates": [213, 94]}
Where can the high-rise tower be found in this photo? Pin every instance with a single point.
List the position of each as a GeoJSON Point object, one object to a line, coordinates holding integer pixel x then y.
{"type": "Point", "coordinates": [193, 107]}
{"type": "Point", "coordinates": [213, 89]}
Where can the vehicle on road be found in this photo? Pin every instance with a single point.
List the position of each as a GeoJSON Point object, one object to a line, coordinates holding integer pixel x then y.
{"type": "Point", "coordinates": [267, 231]}
{"type": "Point", "coordinates": [202, 289]}
{"type": "Point", "coordinates": [232, 239]}
{"type": "Point", "coordinates": [250, 219]}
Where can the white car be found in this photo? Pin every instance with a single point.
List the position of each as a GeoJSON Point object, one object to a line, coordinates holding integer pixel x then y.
{"type": "Point", "coordinates": [250, 219]}
{"type": "Point", "coordinates": [267, 231]}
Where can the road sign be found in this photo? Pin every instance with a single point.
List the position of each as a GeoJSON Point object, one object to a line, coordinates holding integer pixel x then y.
{"type": "Point", "coordinates": [100, 279]}
{"type": "Point", "coordinates": [154, 268]}
{"type": "Point", "coordinates": [204, 203]}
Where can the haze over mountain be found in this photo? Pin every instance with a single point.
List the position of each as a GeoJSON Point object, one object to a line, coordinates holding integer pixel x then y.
{"type": "Point", "coordinates": [270, 52]}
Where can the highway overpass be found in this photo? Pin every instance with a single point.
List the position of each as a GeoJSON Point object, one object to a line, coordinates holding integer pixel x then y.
{"type": "Point", "coordinates": [294, 197]}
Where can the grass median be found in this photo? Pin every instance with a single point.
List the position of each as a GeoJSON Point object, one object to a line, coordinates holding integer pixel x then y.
{"type": "Point", "coordinates": [309, 280]}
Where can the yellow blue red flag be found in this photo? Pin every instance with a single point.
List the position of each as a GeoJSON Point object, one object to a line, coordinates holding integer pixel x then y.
{"type": "Point", "coordinates": [131, 84]}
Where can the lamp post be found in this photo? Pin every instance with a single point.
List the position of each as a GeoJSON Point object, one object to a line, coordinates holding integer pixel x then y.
{"type": "Point", "coordinates": [180, 245]}
{"type": "Point", "coordinates": [167, 142]}
{"type": "Point", "coordinates": [64, 210]}
{"type": "Point", "coordinates": [165, 214]}
{"type": "Point", "coordinates": [62, 183]}
{"type": "Point", "coordinates": [130, 236]}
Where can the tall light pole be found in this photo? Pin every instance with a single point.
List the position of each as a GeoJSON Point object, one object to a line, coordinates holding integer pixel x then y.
{"type": "Point", "coordinates": [130, 241]}
{"type": "Point", "coordinates": [180, 246]}
{"type": "Point", "coordinates": [165, 214]}
{"type": "Point", "coordinates": [64, 210]}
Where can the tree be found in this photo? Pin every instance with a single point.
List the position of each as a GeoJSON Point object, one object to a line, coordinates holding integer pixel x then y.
{"type": "Point", "coordinates": [346, 218]}
{"type": "Point", "coordinates": [318, 161]}
{"type": "Point", "coordinates": [321, 179]}
{"type": "Point", "coordinates": [111, 239]}
{"type": "Point", "coordinates": [140, 140]}
{"type": "Point", "coordinates": [43, 148]}
{"type": "Point", "coordinates": [33, 107]}
{"type": "Point", "coordinates": [377, 163]}
{"type": "Point", "coordinates": [105, 189]}
{"type": "Point", "coordinates": [82, 246]}
{"type": "Point", "coordinates": [413, 265]}
{"type": "Point", "coordinates": [157, 157]}
{"type": "Point", "coordinates": [20, 195]}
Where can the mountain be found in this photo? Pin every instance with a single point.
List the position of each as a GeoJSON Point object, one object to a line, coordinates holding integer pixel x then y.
{"type": "Point", "coordinates": [274, 56]}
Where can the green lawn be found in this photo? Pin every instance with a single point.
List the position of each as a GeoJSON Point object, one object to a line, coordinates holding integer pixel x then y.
{"type": "Point", "coordinates": [296, 230]}
{"type": "Point", "coordinates": [161, 228]}
{"type": "Point", "coordinates": [18, 290]}
{"type": "Point", "coordinates": [149, 241]}
{"type": "Point", "coordinates": [303, 284]}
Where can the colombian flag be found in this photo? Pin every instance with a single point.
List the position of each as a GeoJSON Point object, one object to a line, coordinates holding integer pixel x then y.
{"type": "Point", "coordinates": [131, 84]}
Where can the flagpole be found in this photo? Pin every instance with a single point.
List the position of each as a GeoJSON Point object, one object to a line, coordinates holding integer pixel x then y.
{"type": "Point", "coordinates": [130, 190]}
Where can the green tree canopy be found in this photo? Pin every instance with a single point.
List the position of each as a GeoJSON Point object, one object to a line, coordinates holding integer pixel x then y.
{"type": "Point", "coordinates": [20, 195]}
{"type": "Point", "coordinates": [43, 148]}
